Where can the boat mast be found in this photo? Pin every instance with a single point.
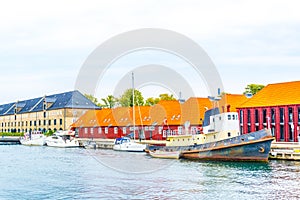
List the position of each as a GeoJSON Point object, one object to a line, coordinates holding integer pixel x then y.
{"type": "Point", "coordinates": [133, 111]}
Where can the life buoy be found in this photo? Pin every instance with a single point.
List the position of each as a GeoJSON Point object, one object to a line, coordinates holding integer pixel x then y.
{"type": "Point", "coordinates": [261, 150]}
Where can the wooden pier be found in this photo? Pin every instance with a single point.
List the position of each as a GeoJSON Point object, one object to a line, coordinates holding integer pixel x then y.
{"type": "Point", "coordinates": [285, 151]}
{"type": "Point", "coordinates": [109, 143]}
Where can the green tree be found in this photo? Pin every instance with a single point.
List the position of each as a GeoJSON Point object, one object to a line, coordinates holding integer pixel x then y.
{"type": "Point", "coordinates": [109, 102]}
{"type": "Point", "coordinates": [152, 101]}
{"type": "Point", "coordinates": [253, 88]}
{"type": "Point", "coordinates": [166, 97]}
{"type": "Point", "coordinates": [126, 99]}
{"type": "Point", "coordinates": [92, 99]}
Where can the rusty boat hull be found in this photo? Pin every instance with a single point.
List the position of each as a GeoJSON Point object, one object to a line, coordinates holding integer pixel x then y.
{"type": "Point", "coordinates": [253, 146]}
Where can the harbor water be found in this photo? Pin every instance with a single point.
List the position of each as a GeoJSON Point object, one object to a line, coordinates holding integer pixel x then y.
{"type": "Point", "coordinates": [77, 173]}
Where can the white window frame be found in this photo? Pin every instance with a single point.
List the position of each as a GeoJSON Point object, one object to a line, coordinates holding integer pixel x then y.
{"type": "Point", "coordinates": [180, 130]}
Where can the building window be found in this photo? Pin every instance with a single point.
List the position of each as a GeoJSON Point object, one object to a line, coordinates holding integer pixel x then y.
{"type": "Point", "coordinates": [116, 130]}
{"type": "Point", "coordinates": [124, 130]}
{"type": "Point", "coordinates": [273, 114]}
{"type": "Point", "coordinates": [248, 116]}
{"type": "Point", "coordinates": [30, 123]}
{"type": "Point", "coordinates": [249, 128]}
{"type": "Point", "coordinates": [256, 116]}
{"type": "Point", "coordinates": [179, 130]}
{"type": "Point", "coordinates": [291, 130]}
{"type": "Point", "coordinates": [54, 121]}
{"type": "Point", "coordinates": [85, 130]}
{"type": "Point", "coordinates": [299, 115]}
{"type": "Point", "coordinates": [40, 122]}
{"type": "Point", "coordinates": [34, 122]}
{"type": "Point", "coordinates": [281, 132]}
{"type": "Point", "coordinates": [60, 121]}
{"type": "Point", "coordinates": [92, 130]}
{"type": "Point", "coordinates": [160, 128]}
{"type": "Point", "coordinates": [106, 130]}
{"type": "Point", "coordinates": [264, 115]}
{"type": "Point", "coordinates": [273, 131]}
{"type": "Point", "coordinates": [45, 122]}
{"type": "Point", "coordinates": [281, 114]}
{"type": "Point", "coordinates": [290, 114]}
{"type": "Point", "coordinates": [99, 130]}
{"type": "Point", "coordinates": [45, 114]}
{"type": "Point", "coordinates": [229, 117]}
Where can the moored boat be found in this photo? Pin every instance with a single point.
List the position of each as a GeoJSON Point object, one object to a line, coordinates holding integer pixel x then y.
{"type": "Point", "coordinates": [90, 144]}
{"type": "Point", "coordinates": [35, 138]}
{"type": "Point", "coordinates": [165, 154]}
{"type": "Point", "coordinates": [126, 144]}
{"type": "Point", "coordinates": [220, 140]}
{"type": "Point", "coordinates": [63, 139]}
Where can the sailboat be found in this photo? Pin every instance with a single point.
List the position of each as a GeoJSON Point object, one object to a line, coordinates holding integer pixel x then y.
{"type": "Point", "coordinates": [125, 143]}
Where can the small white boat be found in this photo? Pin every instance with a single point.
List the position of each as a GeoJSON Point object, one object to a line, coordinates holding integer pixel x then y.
{"type": "Point", "coordinates": [90, 144]}
{"type": "Point", "coordinates": [35, 138]}
{"type": "Point", "coordinates": [125, 144]}
{"type": "Point", "coordinates": [62, 139]}
{"type": "Point", "coordinates": [165, 154]}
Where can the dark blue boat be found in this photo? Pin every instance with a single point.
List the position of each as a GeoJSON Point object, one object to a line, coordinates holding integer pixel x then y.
{"type": "Point", "coordinates": [214, 143]}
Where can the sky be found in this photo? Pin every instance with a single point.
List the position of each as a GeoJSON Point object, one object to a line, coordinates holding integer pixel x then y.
{"type": "Point", "coordinates": [45, 43]}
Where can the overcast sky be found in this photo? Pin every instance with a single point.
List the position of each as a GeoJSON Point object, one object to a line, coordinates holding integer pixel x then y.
{"type": "Point", "coordinates": [45, 43]}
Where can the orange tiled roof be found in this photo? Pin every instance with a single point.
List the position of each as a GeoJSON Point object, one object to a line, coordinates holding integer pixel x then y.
{"type": "Point", "coordinates": [89, 119]}
{"type": "Point", "coordinates": [234, 100]}
{"type": "Point", "coordinates": [171, 110]}
{"type": "Point", "coordinates": [194, 108]}
{"type": "Point", "coordinates": [277, 94]}
{"type": "Point", "coordinates": [176, 113]}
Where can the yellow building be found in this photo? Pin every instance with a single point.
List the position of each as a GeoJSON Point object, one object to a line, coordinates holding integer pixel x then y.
{"type": "Point", "coordinates": [54, 112]}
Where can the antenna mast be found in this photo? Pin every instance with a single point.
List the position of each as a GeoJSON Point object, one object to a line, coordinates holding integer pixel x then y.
{"type": "Point", "coordinates": [133, 111]}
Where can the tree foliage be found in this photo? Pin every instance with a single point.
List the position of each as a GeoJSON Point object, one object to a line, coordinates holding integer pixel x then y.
{"type": "Point", "coordinates": [92, 99]}
{"type": "Point", "coordinates": [152, 101]}
{"type": "Point", "coordinates": [253, 88]}
{"type": "Point", "coordinates": [166, 97]}
{"type": "Point", "coordinates": [126, 99]}
{"type": "Point", "coordinates": [109, 102]}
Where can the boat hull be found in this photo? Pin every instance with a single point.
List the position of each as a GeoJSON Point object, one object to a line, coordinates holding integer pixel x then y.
{"type": "Point", "coordinates": [35, 141]}
{"type": "Point", "coordinates": [125, 144]}
{"type": "Point", "coordinates": [165, 154]}
{"type": "Point", "coordinates": [253, 146]}
{"type": "Point", "coordinates": [254, 151]}
{"type": "Point", "coordinates": [130, 148]}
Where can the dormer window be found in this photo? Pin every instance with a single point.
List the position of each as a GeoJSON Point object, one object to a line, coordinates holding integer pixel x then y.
{"type": "Point", "coordinates": [44, 106]}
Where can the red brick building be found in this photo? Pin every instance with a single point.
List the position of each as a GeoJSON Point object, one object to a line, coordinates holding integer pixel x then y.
{"type": "Point", "coordinates": [151, 122]}
{"type": "Point", "coordinates": [276, 106]}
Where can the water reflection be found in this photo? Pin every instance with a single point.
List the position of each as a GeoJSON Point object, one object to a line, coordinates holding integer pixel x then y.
{"type": "Point", "coordinates": [51, 173]}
